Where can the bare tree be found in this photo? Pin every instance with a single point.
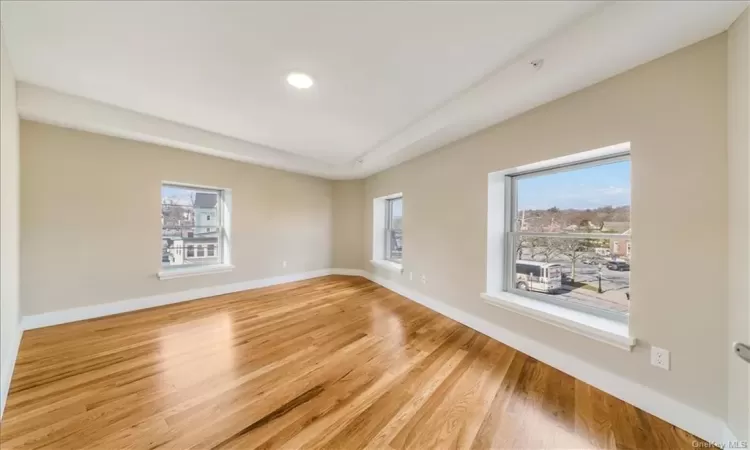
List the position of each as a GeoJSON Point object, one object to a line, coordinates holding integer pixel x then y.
{"type": "Point", "coordinates": [519, 249]}
{"type": "Point", "coordinates": [573, 249]}
{"type": "Point", "coordinates": [547, 248]}
{"type": "Point", "coordinates": [521, 243]}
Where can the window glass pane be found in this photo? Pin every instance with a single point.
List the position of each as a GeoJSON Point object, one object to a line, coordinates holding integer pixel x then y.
{"type": "Point", "coordinates": [394, 235]}
{"type": "Point", "coordinates": [570, 271]}
{"type": "Point", "coordinates": [190, 223]}
{"type": "Point", "coordinates": [589, 199]}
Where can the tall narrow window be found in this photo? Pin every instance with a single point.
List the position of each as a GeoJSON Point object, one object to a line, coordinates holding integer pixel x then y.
{"type": "Point", "coordinates": [193, 219]}
{"type": "Point", "coordinates": [567, 237]}
{"type": "Point", "coordinates": [393, 235]}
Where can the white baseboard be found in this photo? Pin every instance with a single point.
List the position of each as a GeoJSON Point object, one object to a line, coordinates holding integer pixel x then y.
{"type": "Point", "coordinates": [7, 369]}
{"type": "Point", "coordinates": [697, 422]}
{"type": "Point", "coordinates": [134, 304]}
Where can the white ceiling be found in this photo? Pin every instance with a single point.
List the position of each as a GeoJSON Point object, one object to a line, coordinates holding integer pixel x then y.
{"type": "Point", "coordinates": [393, 79]}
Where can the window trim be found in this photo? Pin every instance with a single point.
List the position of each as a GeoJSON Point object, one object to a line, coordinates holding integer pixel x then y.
{"type": "Point", "coordinates": [502, 210]}
{"type": "Point", "coordinates": [611, 332]}
{"type": "Point", "coordinates": [379, 212]}
{"type": "Point", "coordinates": [387, 244]}
{"type": "Point", "coordinates": [512, 234]}
{"type": "Point", "coordinates": [190, 271]}
{"type": "Point", "coordinates": [223, 247]}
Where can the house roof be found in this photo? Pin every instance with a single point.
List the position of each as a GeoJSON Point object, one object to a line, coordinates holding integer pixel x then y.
{"type": "Point", "coordinates": [205, 200]}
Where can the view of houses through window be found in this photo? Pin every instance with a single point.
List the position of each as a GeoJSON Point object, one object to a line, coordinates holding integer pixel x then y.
{"type": "Point", "coordinates": [191, 226]}
{"type": "Point", "coordinates": [570, 236]}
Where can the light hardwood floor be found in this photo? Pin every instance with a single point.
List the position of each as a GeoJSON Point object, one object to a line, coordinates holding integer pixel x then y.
{"type": "Point", "coordinates": [334, 362]}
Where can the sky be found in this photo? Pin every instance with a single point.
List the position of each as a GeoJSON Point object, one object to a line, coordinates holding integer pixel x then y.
{"type": "Point", "coordinates": [398, 206]}
{"type": "Point", "coordinates": [589, 188]}
{"type": "Point", "coordinates": [179, 196]}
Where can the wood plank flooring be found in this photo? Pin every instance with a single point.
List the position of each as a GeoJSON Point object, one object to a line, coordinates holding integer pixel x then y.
{"type": "Point", "coordinates": [335, 362]}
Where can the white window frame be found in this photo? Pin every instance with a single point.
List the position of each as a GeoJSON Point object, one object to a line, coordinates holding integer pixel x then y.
{"type": "Point", "coordinates": [599, 324]}
{"type": "Point", "coordinates": [224, 247]}
{"type": "Point", "coordinates": [380, 213]}
{"type": "Point", "coordinates": [387, 245]}
{"type": "Point", "coordinates": [512, 235]}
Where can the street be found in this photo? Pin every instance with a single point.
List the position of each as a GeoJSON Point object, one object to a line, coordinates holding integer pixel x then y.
{"type": "Point", "coordinates": [615, 285]}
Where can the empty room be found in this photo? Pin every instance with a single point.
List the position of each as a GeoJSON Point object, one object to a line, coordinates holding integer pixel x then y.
{"type": "Point", "coordinates": [374, 224]}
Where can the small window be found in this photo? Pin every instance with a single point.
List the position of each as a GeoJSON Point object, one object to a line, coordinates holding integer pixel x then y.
{"type": "Point", "coordinates": [568, 240]}
{"type": "Point", "coordinates": [186, 213]}
{"type": "Point", "coordinates": [393, 233]}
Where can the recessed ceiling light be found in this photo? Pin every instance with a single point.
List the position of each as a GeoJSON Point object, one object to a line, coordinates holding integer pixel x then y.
{"type": "Point", "coordinates": [299, 80]}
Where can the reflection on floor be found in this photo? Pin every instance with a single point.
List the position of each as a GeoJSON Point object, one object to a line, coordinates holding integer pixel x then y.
{"type": "Point", "coordinates": [334, 362]}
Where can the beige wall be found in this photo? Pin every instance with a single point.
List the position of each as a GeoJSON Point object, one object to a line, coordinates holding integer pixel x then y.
{"type": "Point", "coordinates": [348, 224]}
{"type": "Point", "coordinates": [9, 221]}
{"type": "Point", "coordinates": [739, 220]}
{"type": "Point", "coordinates": [674, 111]}
{"type": "Point", "coordinates": [91, 230]}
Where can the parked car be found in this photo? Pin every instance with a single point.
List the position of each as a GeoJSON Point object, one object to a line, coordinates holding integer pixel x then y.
{"type": "Point", "coordinates": [620, 266]}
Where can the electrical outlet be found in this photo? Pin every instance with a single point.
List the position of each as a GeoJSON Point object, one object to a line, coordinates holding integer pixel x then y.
{"type": "Point", "coordinates": [660, 358]}
{"type": "Point", "coordinates": [283, 264]}
{"type": "Point", "coordinates": [411, 276]}
{"type": "Point", "coordinates": [424, 279]}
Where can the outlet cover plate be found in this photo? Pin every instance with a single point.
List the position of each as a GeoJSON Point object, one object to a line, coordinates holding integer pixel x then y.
{"type": "Point", "coordinates": [660, 358]}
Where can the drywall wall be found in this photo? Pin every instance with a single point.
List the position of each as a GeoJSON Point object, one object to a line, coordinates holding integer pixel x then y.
{"type": "Point", "coordinates": [9, 223]}
{"type": "Point", "coordinates": [348, 226]}
{"type": "Point", "coordinates": [739, 220]}
{"type": "Point", "coordinates": [674, 112]}
{"type": "Point", "coordinates": [90, 219]}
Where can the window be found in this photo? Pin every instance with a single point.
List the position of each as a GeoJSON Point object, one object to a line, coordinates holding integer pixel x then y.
{"type": "Point", "coordinates": [567, 235]}
{"type": "Point", "coordinates": [393, 234]}
{"type": "Point", "coordinates": [387, 234]}
{"type": "Point", "coordinates": [187, 213]}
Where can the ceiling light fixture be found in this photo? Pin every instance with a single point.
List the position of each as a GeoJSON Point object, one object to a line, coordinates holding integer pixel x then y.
{"type": "Point", "coordinates": [299, 80]}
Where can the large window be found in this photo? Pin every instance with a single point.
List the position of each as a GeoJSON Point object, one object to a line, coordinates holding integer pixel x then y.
{"type": "Point", "coordinates": [387, 234]}
{"type": "Point", "coordinates": [393, 234]}
{"type": "Point", "coordinates": [193, 226]}
{"type": "Point", "coordinates": [567, 238]}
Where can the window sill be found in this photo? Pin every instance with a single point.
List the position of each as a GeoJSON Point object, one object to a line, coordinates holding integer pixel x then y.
{"type": "Point", "coordinates": [182, 272]}
{"type": "Point", "coordinates": [388, 265]}
{"type": "Point", "coordinates": [603, 330]}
